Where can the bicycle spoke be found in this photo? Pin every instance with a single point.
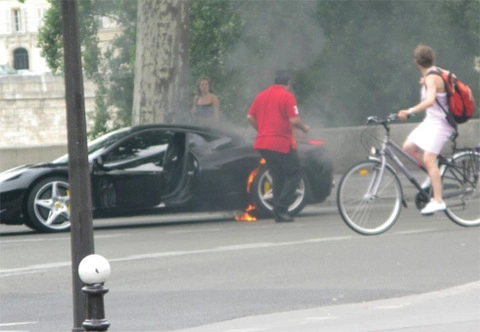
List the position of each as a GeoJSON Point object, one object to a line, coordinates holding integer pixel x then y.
{"type": "Point", "coordinates": [363, 210]}
{"type": "Point", "coordinates": [460, 189]}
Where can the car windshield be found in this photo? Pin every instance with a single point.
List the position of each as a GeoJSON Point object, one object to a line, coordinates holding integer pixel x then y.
{"type": "Point", "coordinates": [99, 144]}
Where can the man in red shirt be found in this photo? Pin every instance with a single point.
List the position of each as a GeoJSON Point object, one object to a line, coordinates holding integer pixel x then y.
{"type": "Point", "coordinates": [273, 114]}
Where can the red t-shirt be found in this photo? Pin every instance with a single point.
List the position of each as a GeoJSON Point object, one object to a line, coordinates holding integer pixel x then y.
{"type": "Point", "coordinates": [273, 108]}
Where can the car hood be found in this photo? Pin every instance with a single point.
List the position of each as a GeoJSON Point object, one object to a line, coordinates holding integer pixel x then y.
{"type": "Point", "coordinates": [13, 173]}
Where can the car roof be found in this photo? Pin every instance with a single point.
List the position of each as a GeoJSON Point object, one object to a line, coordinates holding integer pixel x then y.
{"type": "Point", "coordinates": [188, 128]}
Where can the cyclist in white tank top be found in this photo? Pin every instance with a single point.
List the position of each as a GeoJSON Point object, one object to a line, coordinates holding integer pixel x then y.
{"type": "Point", "coordinates": [435, 114]}
{"type": "Point", "coordinates": [427, 140]}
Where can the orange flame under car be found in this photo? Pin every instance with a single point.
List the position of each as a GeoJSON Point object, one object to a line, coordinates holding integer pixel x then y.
{"type": "Point", "coordinates": [246, 216]}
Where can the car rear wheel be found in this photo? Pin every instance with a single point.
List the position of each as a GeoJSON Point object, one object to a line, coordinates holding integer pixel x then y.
{"type": "Point", "coordinates": [48, 205]}
{"type": "Point", "coordinates": [262, 195]}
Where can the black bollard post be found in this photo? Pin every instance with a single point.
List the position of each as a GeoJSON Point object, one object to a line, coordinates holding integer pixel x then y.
{"type": "Point", "coordinates": [95, 320]}
{"type": "Point", "coordinates": [94, 271]}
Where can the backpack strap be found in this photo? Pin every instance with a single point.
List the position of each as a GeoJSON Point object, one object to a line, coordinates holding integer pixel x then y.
{"type": "Point", "coordinates": [451, 121]}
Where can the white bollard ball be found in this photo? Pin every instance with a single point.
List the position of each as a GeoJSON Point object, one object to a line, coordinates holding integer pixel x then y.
{"type": "Point", "coordinates": [94, 269]}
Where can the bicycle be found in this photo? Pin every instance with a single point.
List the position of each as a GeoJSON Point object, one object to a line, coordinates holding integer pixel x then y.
{"type": "Point", "coordinates": [370, 194]}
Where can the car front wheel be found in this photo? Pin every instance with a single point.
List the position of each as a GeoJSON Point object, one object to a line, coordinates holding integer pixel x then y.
{"type": "Point", "coordinates": [262, 195]}
{"type": "Point", "coordinates": [48, 205]}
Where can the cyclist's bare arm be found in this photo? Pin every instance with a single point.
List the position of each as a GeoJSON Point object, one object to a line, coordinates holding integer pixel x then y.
{"type": "Point", "coordinates": [432, 85]}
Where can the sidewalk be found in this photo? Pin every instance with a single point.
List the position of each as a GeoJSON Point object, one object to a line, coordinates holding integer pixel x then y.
{"type": "Point", "coordinates": [454, 309]}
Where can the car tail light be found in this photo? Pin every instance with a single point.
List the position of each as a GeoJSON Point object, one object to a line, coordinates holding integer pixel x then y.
{"type": "Point", "coordinates": [316, 142]}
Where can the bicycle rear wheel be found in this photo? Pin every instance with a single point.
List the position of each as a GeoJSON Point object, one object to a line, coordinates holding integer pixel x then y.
{"type": "Point", "coordinates": [460, 188]}
{"type": "Point", "coordinates": [362, 211]}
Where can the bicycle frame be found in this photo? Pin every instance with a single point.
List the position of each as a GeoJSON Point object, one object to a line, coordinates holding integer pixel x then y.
{"type": "Point", "coordinates": [388, 150]}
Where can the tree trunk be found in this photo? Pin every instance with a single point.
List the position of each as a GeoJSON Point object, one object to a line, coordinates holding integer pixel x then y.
{"type": "Point", "coordinates": [161, 65]}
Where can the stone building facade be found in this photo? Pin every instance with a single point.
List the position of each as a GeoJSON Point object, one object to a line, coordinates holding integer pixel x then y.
{"type": "Point", "coordinates": [32, 101]}
{"type": "Point", "coordinates": [33, 110]}
{"type": "Point", "coordinates": [19, 26]}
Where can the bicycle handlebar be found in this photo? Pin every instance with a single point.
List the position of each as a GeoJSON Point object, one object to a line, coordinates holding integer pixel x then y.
{"type": "Point", "coordinates": [391, 117]}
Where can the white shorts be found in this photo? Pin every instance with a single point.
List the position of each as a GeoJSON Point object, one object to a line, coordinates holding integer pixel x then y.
{"type": "Point", "coordinates": [430, 137]}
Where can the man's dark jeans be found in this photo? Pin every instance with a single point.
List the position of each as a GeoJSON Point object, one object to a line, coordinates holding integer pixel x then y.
{"type": "Point", "coordinates": [286, 173]}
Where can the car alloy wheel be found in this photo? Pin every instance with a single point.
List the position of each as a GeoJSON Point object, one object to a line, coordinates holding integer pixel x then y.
{"type": "Point", "coordinates": [262, 195]}
{"type": "Point", "coordinates": [49, 205]}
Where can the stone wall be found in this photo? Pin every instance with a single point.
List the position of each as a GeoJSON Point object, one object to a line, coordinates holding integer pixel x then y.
{"type": "Point", "coordinates": [33, 111]}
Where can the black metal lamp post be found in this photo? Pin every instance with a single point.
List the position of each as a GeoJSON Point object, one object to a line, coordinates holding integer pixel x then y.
{"type": "Point", "coordinates": [79, 176]}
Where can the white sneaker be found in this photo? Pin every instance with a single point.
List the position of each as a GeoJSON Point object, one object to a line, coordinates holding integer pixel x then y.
{"type": "Point", "coordinates": [434, 206]}
{"type": "Point", "coordinates": [426, 183]}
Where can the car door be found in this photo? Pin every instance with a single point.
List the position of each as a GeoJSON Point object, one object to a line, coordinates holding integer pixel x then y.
{"type": "Point", "coordinates": [180, 168]}
{"type": "Point", "coordinates": [130, 174]}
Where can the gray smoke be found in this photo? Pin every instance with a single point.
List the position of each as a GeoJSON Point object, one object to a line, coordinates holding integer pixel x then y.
{"type": "Point", "coordinates": [277, 35]}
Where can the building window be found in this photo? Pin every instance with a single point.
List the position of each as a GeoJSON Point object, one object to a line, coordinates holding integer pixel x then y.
{"type": "Point", "coordinates": [17, 20]}
{"type": "Point", "coordinates": [40, 14]}
{"type": "Point", "coordinates": [20, 59]}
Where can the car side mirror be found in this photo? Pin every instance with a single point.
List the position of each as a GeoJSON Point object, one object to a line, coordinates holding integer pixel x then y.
{"type": "Point", "coordinates": [98, 163]}
{"type": "Point", "coordinates": [221, 143]}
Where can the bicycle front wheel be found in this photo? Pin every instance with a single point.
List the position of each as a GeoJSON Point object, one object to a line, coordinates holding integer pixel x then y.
{"type": "Point", "coordinates": [460, 188]}
{"type": "Point", "coordinates": [364, 211]}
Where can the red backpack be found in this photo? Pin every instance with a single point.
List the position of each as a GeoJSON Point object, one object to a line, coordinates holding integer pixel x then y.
{"type": "Point", "coordinates": [461, 104]}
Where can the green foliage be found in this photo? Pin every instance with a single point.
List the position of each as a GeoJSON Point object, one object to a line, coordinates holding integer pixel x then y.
{"type": "Point", "coordinates": [214, 30]}
{"type": "Point", "coordinates": [115, 75]}
{"type": "Point", "coordinates": [111, 71]}
{"type": "Point", "coordinates": [367, 65]}
{"type": "Point", "coordinates": [349, 59]}
{"type": "Point", "coordinates": [50, 37]}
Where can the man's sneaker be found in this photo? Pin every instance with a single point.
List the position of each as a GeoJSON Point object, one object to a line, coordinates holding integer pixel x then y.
{"type": "Point", "coordinates": [433, 206]}
{"type": "Point", "coordinates": [283, 217]}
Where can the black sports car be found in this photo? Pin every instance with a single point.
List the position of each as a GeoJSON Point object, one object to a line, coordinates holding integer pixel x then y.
{"type": "Point", "coordinates": [169, 167]}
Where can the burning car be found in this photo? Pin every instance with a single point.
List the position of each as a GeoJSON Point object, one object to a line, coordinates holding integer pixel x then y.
{"type": "Point", "coordinates": [173, 168]}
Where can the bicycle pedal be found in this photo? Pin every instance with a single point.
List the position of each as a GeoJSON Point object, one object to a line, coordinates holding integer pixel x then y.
{"type": "Point", "coordinates": [427, 214]}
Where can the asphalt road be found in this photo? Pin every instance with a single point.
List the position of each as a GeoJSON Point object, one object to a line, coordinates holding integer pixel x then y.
{"type": "Point", "coordinates": [183, 271]}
